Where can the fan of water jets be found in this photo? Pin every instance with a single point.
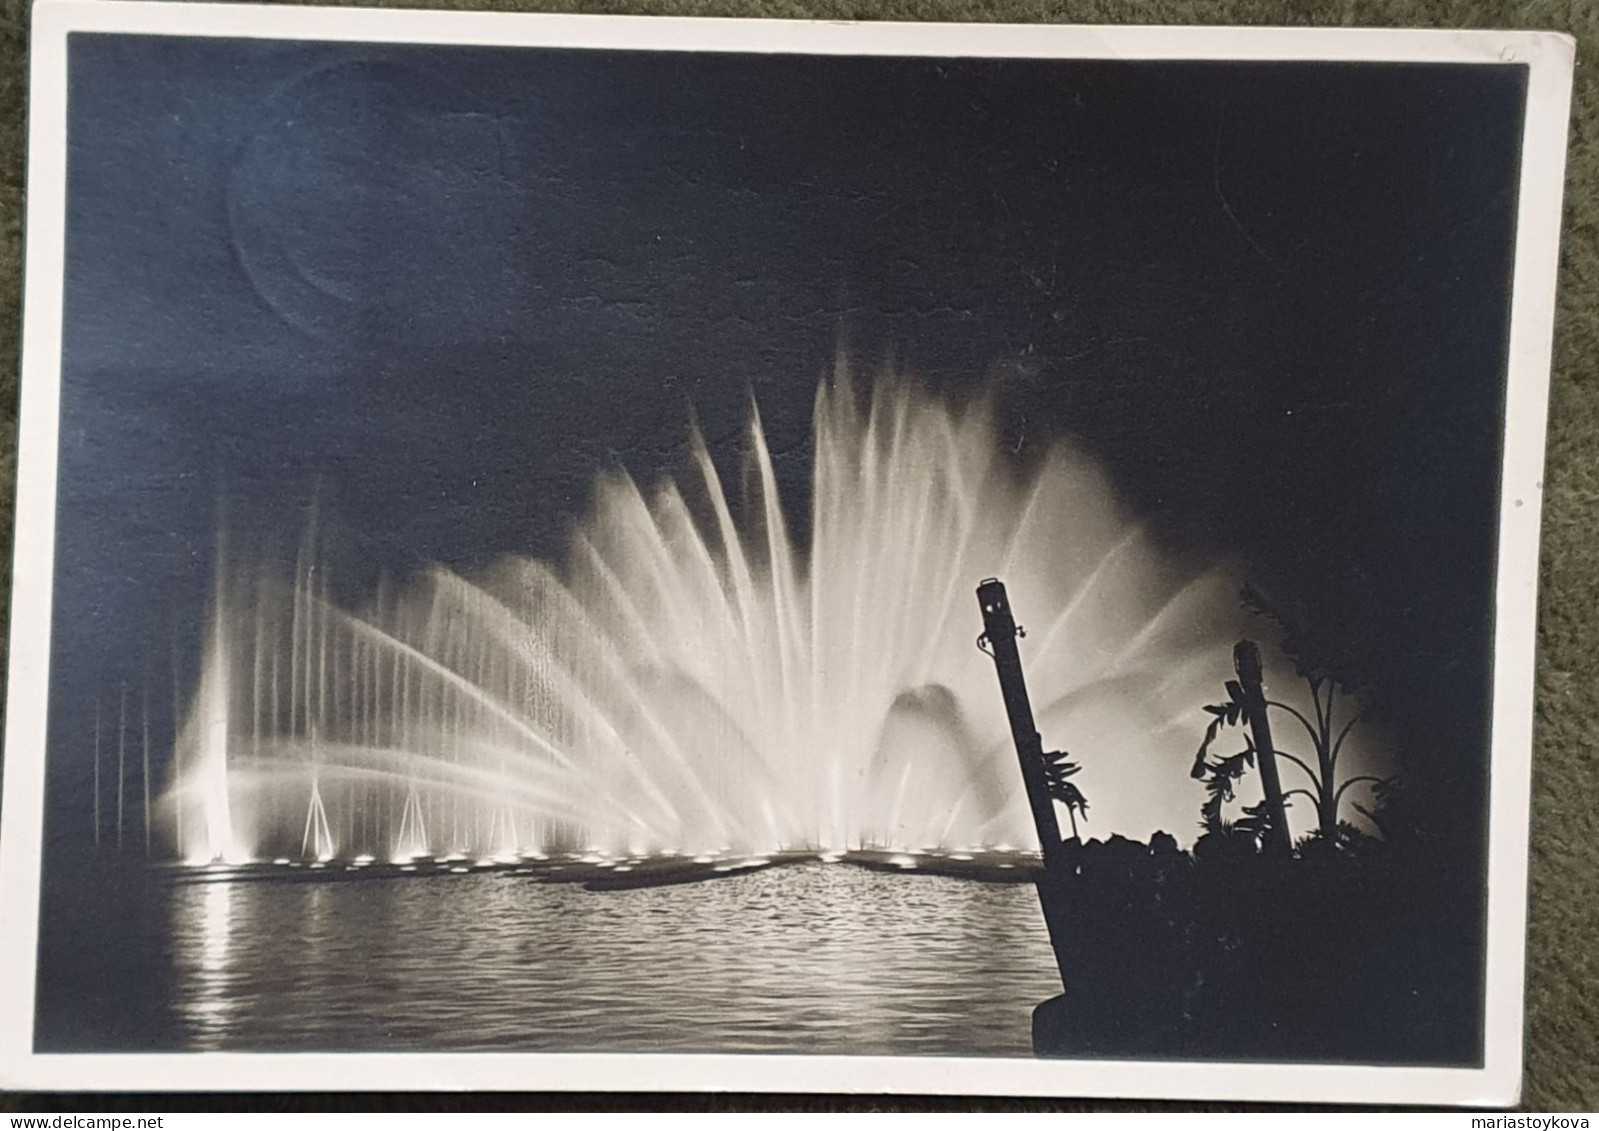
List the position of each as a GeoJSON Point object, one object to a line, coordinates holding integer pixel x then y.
{"type": "Point", "coordinates": [690, 680]}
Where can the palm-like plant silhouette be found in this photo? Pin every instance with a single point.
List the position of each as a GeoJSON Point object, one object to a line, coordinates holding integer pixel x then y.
{"type": "Point", "coordinates": [1220, 777]}
{"type": "Point", "coordinates": [1327, 738]}
{"type": "Point", "coordinates": [1057, 769]}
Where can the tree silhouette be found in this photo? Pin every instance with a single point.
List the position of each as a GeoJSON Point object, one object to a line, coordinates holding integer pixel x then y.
{"type": "Point", "coordinates": [1327, 736]}
{"type": "Point", "coordinates": [1326, 791]}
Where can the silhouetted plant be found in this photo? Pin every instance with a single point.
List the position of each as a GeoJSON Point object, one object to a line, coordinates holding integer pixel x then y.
{"type": "Point", "coordinates": [1313, 652]}
{"type": "Point", "coordinates": [1349, 840]}
{"type": "Point", "coordinates": [1057, 769]}
{"type": "Point", "coordinates": [1327, 737]}
{"type": "Point", "coordinates": [1255, 823]}
{"type": "Point", "coordinates": [1221, 777]}
{"type": "Point", "coordinates": [1395, 813]}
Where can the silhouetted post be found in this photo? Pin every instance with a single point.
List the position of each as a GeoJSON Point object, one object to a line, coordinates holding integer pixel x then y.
{"type": "Point", "coordinates": [1000, 632]}
{"type": "Point", "coordinates": [1246, 661]}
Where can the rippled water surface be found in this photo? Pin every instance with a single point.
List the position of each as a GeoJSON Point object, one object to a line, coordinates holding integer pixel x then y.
{"type": "Point", "coordinates": [806, 959]}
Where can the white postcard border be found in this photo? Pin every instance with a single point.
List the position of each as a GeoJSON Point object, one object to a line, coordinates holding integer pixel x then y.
{"type": "Point", "coordinates": [1549, 58]}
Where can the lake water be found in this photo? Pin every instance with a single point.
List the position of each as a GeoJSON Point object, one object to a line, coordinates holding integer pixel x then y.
{"type": "Point", "coordinates": [814, 958]}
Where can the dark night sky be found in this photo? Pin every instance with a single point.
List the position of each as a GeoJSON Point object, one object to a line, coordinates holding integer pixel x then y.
{"type": "Point", "coordinates": [445, 286]}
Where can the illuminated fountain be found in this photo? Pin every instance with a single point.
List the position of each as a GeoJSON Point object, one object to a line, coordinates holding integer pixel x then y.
{"type": "Point", "coordinates": [691, 681]}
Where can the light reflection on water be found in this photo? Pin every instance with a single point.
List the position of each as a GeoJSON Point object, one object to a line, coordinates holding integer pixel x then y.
{"type": "Point", "coordinates": [811, 959]}
{"type": "Point", "coordinates": [210, 998]}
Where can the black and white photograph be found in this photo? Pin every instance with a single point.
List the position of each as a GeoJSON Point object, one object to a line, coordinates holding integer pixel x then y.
{"type": "Point", "coordinates": [790, 556]}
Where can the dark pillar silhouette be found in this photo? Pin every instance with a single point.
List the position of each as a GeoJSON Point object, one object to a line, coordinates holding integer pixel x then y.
{"type": "Point", "coordinates": [1000, 631]}
{"type": "Point", "coordinates": [1246, 661]}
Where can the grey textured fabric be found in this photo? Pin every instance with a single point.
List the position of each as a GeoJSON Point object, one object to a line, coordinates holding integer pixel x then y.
{"type": "Point", "coordinates": [1563, 970]}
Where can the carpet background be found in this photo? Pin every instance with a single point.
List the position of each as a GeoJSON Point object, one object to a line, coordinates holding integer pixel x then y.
{"type": "Point", "coordinates": [1562, 1064]}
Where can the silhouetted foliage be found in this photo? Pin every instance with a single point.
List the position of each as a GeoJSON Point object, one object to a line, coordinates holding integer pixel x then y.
{"type": "Point", "coordinates": [1226, 843]}
{"type": "Point", "coordinates": [1226, 714]}
{"type": "Point", "coordinates": [1395, 812]}
{"type": "Point", "coordinates": [1336, 952]}
{"type": "Point", "coordinates": [1220, 777]}
{"type": "Point", "coordinates": [1325, 790]}
{"type": "Point", "coordinates": [1166, 952]}
{"type": "Point", "coordinates": [1314, 654]}
{"type": "Point", "coordinates": [1254, 824]}
{"type": "Point", "coordinates": [1057, 769]}
{"type": "Point", "coordinates": [1349, 840]}
{"type": "Point", "coordinates": [1163, 844]}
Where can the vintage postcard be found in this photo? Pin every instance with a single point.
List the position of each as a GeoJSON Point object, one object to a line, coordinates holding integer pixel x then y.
{"type": "Point", "coordinates": [614, 553]}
